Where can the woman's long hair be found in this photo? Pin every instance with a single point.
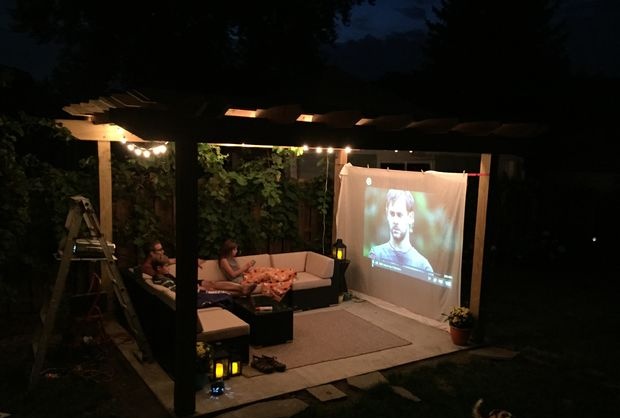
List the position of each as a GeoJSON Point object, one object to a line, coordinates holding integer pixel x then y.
{"type": "Point", "coordinates": [227, 248]}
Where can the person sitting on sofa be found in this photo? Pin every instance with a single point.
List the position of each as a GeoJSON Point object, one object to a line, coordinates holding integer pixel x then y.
{"type": "Point", "coordinates": [159, 264]}
{"type": "Point", "coordinates": [229, 264]}
{"type": "Point", "coordinates": [155, 248]}
{"type": "Point", "coordinates": [157, 253]}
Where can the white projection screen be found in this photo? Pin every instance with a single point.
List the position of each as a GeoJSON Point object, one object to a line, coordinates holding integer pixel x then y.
{"type": "Point", "coordinates": [436, 233]}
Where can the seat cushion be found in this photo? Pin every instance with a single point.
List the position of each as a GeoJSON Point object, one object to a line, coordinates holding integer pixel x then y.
{"type": "Point", "coordinates": [218, 324]}
{"type": "Point", "coordinates": [309, 281]}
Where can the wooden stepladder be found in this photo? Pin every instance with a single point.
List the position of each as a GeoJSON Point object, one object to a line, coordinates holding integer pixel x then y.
{"type": "Point", "coordinates": [81, 213]}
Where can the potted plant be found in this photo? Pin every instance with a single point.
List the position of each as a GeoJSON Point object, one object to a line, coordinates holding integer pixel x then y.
{"type": "Point", "coordinates": [204, 362]}
{"type": "Point", "coordinates": [461, 321]}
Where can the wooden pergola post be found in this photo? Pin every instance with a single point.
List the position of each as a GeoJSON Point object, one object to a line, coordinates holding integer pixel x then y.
{"type": "Point", "coordinates": [478, 256]}
{"type": "Point", "coordinates": [105, 201]}
{"type": "Point", "coordinates": [186, 187]}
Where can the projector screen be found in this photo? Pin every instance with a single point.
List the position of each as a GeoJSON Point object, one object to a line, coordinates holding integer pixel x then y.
{"type": "Point", "coordinates": [404, 236]}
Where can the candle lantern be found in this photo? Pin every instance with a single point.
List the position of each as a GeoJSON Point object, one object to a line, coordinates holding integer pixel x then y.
{"type": "Point", "coordinates": [221, 365]}
{"type": "Point", "coordinates": [339, 250]}
{"type": "Point", "coordinates": [235, 365]}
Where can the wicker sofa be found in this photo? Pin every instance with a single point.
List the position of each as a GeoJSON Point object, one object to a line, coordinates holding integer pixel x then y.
{"type": "Point", "coordinates": [155, 305]}
{"type": "Point", "coordinates": [313, 287]}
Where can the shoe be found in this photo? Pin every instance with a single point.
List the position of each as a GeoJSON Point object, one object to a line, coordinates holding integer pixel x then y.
{"type": "Point", "coordinates": [278, 366]}
{"type": "Point", "coordinates": [262, 364]}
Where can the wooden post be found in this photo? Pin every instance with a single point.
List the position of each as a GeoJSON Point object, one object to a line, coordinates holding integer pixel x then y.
{"type": "Point", "coordinates": [186, 187]}
{"type": "Point", "coordinates": [339, 162]}
{"type": "Point", "coordinates": [105, 202]}
{"type": "Point", "coordinates": [478, 256]}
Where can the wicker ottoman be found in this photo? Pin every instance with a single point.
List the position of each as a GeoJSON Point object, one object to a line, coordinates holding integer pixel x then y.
{"type": "Point", "coordinates": [217, 325]}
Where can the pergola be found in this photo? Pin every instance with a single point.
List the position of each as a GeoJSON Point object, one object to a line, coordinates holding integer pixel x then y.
{"type": "Point", "coordinates": [189, 119]}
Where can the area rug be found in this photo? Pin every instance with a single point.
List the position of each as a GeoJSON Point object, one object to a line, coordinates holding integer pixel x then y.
{"type": "Point", "coordinates": [327, 335]}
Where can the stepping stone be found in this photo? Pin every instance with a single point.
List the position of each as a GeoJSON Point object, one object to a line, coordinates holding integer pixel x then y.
{"type": "Point", "coordinates": [326, 393]}
{"type": "Point", "coordinates": [367, 381]}
{"type": "Point", "coordinates": [270, 409]}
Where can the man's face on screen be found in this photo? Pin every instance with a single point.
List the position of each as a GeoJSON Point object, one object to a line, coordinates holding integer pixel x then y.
{"type": "Point", "coordinates": [398, 219]}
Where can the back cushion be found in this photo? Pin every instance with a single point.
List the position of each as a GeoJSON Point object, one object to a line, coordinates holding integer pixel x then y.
{"type": "Point", "coordinates": [295, 261]}
{"type": "Point", "coordinates": [209, 270]}
{"type": "Point", "coordinates": [319, 265]}
{"type": "Point", "coordinates": [262, 260]}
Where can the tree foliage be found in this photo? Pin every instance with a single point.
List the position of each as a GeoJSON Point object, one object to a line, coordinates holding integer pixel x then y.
{"type": "Point", "coordinates": [35, 192]}
{"type": "Point", "coordinates": [186, 44]}
{"type": "Point", "coordinates": [495, 55]}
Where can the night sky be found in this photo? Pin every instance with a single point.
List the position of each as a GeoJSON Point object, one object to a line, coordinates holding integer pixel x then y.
{"type": "Point", "coordinates": [593, 43]}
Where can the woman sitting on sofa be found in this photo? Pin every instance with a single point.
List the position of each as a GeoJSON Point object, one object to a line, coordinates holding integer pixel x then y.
{"type": "Point", "coordinates": [229, 264]}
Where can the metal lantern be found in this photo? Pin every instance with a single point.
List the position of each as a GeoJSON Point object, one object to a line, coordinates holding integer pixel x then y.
{"type": "Point", "coordinates": [221, 365]}
{"type": "Point", "coordinates": [235, 365]}
{"type": "Point", "coordinates": [339, 250]}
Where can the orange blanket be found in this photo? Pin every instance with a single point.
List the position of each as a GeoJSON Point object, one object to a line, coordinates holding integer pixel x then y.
{"type": "Point", "coordinates": [275, 281]}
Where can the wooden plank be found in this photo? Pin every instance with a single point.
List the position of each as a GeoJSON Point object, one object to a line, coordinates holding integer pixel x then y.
{"type": "Point", "coordinates": [478, 256]}
{"type": "Point", "coordinates": [105, 201]}
{"type": "Point", "coordinates": [86, 130]}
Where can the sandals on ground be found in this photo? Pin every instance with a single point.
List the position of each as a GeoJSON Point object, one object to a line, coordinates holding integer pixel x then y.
{"type": "Point", "coordinates": [266, 364]}
{"type": "Point", "coordinates": [277, 366]}
{"type": "Point", "coordinates": [262, 364]}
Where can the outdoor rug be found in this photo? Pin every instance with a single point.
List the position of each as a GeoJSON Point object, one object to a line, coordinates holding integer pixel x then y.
{"type": "Point", "coordinates": [327, 335]}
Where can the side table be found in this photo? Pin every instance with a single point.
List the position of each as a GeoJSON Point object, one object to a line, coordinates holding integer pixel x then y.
{"type": "Point", "coordinates": [340, 267]}
{"type": "Point", "coordinates": [271, 322]}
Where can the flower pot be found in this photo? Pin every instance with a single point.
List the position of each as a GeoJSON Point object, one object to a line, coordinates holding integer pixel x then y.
{"type": "Point", "coordinates": [460, 336]}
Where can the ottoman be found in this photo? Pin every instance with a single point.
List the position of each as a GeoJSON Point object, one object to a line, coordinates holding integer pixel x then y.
{"type": "Point", "coordinates": [217, 325]}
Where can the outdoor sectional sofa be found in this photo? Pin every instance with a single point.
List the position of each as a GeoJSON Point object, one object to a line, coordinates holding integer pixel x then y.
{"type": "Point", "coordinates": [313, 287]}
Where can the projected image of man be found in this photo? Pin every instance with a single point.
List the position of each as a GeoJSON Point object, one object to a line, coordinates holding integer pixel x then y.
{"type": "Point", "coordinates": [398, 251]}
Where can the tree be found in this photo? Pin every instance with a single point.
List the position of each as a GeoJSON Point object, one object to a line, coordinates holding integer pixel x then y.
{"type": "Point", "coordinates": [195, 45]}
{"type": "Point", "coordinates": [495, 56]}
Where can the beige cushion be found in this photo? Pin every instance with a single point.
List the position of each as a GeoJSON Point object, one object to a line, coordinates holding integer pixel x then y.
{"type": "Point", "coordinates": [309, 281]}
{"type": "Point", "coordinates": [319, 265]}
{"type": "Point", "coordinates": [295, 261]}
{"type": "Point", "coordinates": [219, 324]}
{"type": "Point", "coordinates": [262, 260]}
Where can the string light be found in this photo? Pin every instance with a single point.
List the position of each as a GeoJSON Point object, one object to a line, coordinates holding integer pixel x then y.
{"type": "Point", "coordinates": [155, 150]}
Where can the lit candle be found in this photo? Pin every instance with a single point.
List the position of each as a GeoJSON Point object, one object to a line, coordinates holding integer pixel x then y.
{"type": "Point", "coordinates": [235, 367]}
{"type": "Point", "coordinates": [219, 370]}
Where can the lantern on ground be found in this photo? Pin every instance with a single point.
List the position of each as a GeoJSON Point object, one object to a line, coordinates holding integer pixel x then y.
{"type": "Point", "coordinates": [221, 365]}
{"type": "Point", "coordinates": [235, 365]}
